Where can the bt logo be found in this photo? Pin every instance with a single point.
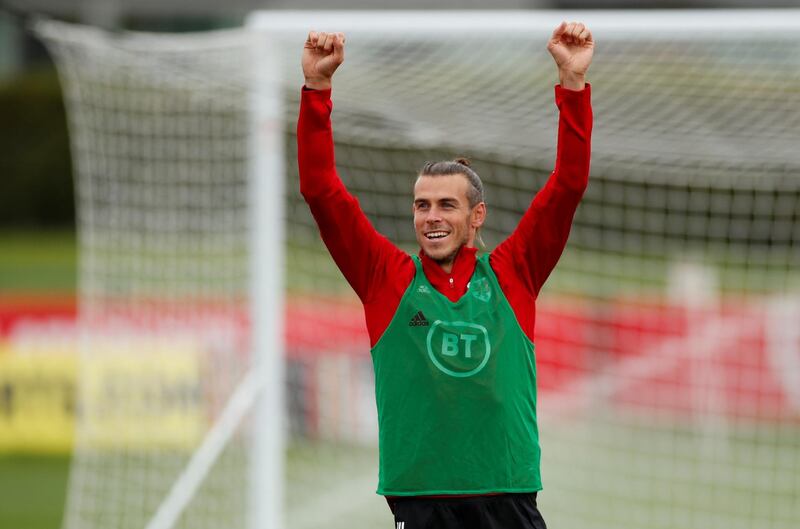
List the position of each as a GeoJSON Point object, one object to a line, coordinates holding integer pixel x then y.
{"type": "Point", "coordinates": [459, 349]}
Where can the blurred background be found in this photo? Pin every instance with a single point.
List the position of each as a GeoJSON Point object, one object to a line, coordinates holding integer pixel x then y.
{"type": "Point", "coordinates": [38, 242]}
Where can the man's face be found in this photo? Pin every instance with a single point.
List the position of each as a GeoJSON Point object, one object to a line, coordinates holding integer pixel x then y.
{"type": "Point", "coordinates": [443, 220]}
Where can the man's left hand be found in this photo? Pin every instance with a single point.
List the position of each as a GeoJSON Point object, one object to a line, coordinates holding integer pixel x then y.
{"type": "Point", "coordinates": [572, 47]}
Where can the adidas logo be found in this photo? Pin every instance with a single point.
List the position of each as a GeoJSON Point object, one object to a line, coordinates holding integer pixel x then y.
{"type": "Point", "coordinates": [418, 320]}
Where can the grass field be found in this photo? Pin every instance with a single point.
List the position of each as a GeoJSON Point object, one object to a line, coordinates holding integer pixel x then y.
{"type": "Point", "coordinates": [32, 491]}
{"type": "Point", "coordinates": [38, 262]}
{"type": "Point", "coordinates": [661, 478]}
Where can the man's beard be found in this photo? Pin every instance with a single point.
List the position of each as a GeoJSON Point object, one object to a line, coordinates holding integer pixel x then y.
{"type": "Point", "coordinates": [449, 258]}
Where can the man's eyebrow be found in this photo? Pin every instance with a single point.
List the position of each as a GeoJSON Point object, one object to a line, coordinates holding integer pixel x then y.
{"type": "Point", "coordinates": [440, 200]}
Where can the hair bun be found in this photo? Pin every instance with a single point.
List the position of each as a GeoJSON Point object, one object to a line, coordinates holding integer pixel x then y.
{"type": "Point", "coordinates": [463, 161]}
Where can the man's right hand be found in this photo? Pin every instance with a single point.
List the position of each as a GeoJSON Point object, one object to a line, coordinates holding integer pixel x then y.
{"type": "Point", "coordinates": [322, 54]}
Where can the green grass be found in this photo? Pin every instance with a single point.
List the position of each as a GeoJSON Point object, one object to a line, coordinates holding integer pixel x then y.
{"type": "Point", "coordinates": [33, 488]}
{"type": "Point", "coordinates": [32, 491]}
{"type": "Point", "coordinates": [45, 262]}
{"type": "Point", "coordinates": [38, 262]}
{"type": "Point", "coordinates": [631, 472]}
{"type": "Point", "coordinates": [606, 472]}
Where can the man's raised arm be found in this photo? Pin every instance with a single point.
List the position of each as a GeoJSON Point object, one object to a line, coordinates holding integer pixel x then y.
{"type": "Point", "coordinates": [359, 251]}
{"type": "Point", "coordinates": [538, 241]}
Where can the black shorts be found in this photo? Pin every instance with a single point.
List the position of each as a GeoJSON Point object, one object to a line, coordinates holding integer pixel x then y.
{"type": "Point", "coordinates": [503, 511]}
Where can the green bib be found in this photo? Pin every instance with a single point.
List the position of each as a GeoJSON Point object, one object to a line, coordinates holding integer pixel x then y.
{"type": "Point", "coordinates": [455, 385]}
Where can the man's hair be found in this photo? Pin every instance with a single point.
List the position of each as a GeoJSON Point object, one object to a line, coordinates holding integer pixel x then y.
{"type": "Point", "coordinates": [457, 166]}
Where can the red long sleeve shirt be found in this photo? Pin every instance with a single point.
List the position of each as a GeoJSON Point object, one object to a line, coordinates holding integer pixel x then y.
{"type": "Point", "coordinates": [379, 272]}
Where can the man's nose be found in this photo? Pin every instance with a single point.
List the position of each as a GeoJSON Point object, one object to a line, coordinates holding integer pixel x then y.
{"type": "Point", "coordinates": [434, 216]}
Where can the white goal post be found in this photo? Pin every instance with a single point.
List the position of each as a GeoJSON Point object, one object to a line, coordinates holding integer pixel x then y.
{"type": "Point", "coordinates": [443, 23]}
{"type": "Point", "coordinates": [227, 378]}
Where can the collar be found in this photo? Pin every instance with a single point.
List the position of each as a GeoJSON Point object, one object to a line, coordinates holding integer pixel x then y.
{"type": "Point", "coordinates": [454, 284]}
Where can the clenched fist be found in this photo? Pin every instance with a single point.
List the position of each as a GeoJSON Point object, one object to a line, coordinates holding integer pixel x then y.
{"type": "Point", "coordinates": [322, 54]}
{"type": "Point", "coordinates": [572, 47]}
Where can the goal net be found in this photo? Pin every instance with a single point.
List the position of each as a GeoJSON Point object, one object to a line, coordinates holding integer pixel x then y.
{"type": "Point", "coordinates": [667, 338]}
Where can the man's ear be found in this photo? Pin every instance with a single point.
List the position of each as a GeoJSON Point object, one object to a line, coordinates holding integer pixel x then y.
{"type": "Point", "coordinates": [478, 215]}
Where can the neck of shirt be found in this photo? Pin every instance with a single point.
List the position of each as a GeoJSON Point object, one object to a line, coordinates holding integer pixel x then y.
{"type": "Point", "coordinates": [453, 284]}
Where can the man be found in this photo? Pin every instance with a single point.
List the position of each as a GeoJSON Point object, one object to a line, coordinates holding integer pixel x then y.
{"type": "Point", "coordinates": [452, 333]}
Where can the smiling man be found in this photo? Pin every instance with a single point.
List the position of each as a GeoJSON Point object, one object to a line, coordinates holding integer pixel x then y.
{"type": "Point", "coordinates": [452, 332]}
{"type": "Point", "coordinates": [448, 210]}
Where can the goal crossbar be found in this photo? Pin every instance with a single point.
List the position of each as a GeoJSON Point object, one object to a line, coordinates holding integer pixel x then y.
{"type": "Point", "coordinates": [727, 23]}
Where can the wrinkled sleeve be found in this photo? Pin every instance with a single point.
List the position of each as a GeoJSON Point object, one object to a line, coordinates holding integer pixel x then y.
{"type": "Point", "coordinates": [361, 253]}
{"type": "Point", "coordinates": [535, 246]}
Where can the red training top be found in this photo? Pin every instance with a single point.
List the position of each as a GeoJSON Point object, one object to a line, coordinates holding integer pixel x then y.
{"type": "Point", "coordinates": [380, 272]}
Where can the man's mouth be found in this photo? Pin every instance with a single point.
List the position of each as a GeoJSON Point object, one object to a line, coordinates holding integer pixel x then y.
{"type": "Point", "coordinates": [435, 235]}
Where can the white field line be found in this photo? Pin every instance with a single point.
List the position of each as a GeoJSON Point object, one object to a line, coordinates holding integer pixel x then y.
{"type": "Point", "coordinates": [184, 488]}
